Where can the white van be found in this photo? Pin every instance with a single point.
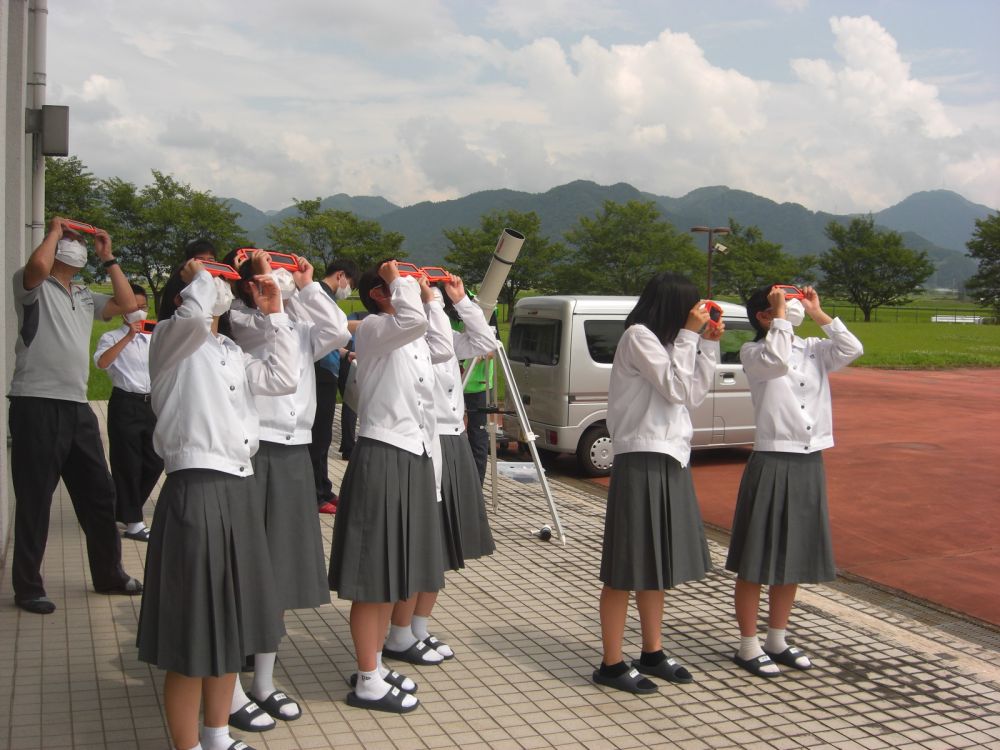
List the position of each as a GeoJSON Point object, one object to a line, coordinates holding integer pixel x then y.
{"type": "Point", "coordinates": [561, 350]}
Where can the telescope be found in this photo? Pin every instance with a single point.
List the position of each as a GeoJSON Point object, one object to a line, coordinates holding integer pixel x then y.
{"type": "Point", "coordinates": [506, 252]}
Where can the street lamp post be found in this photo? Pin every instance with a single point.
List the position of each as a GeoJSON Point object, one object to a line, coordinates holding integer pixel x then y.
{"type": "Point", "coordinates": [711, 232]}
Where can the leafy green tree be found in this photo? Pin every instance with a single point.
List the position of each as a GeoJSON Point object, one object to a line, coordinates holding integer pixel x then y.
{"type": "Point", "coordinates": [71, 191]}
{"type": "Point", "coordinates": [750, 261]}
{"type": "Point", "coordinates": [470, 251]}
{"type": "Point", "coordinates": [621, 247]}
{"type": "Point", "coordinates": [325, 234]}
{"type": "Point", "coordinates": [870, 267]}
{"type": "Point", "coordinates": [985, 247]}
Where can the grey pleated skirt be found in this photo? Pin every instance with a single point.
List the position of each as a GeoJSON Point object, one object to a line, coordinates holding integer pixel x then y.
{"type": "Point", "coordinates": [287, 503]}
{"type": "Point", "coordinates": [653, 535]}
{"type": "Point", "coordinates": [387, 533]}
{"type": "Point", "coordinates": [466, 529]}
{"type": "Point", "coordinates": [781, 529]}
{"type": "Point", "coordinates": [209, 596]}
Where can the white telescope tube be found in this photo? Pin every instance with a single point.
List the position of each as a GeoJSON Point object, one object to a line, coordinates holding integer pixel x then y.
{"type": "Point", "coordinates": [508, 247]}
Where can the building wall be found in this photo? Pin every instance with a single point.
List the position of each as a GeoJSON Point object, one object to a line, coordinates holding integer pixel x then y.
{"type": "Point", "coordinates": [15, 194]}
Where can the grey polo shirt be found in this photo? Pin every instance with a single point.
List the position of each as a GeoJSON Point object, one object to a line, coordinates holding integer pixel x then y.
{"type": "Point", "coordinates": [53, 339]}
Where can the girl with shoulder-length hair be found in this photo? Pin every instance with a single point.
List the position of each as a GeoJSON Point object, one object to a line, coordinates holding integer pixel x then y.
{"type": "Point", "coordinates": [653, 535]}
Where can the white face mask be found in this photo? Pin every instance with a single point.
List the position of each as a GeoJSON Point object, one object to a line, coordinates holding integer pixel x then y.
{"type": "Point", "coordinates": [223, 297]}
{"type": "Point", "coordinates": [343, 292]}
{"type": "Point", "coordinates": [285, 281]}
{"type": "Point", "coordinates": [72, 253]}
{"type": "Point", "coordinates": [795, 313]}
{"type": "Point", "coordinates": [135, 315]}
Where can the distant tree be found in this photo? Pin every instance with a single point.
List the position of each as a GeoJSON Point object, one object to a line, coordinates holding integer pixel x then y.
{"type": "Point", "coordinates": [870, 267]}
{"type": "Point", "coordinates": [71, 191]}
{"type": "Point", "coordinates": [151, 226]}
{"type": "Point", "coordinates": [985, 247]}
{"type": "Point", "coordinates": [470, 251]}
{"type": "Point", "coordinates": [622, 246]}
{"type": "Point", "coordinates": [325, 234]}
{"type": "Point", "coordinates": [750, 261]}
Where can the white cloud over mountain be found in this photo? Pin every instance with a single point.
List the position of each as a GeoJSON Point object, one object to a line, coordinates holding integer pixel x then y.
{"type": "Point", "coordinates": [415, 101]}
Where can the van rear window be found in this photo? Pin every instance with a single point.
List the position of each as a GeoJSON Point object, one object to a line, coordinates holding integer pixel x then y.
{"type": "Point", "coordinates": [602, 339]}
{"type": "Point", "coordinates": [535, 341]}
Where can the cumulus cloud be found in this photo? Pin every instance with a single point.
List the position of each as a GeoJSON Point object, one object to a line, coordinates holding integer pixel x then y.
{"type": "Point", "coordinates": [312, 98]}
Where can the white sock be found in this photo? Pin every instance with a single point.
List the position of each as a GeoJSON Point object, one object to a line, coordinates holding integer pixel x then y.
{"type": "Point", "coordinates": [196, 747]}
{"type": "Point", "coordinates": [134, 528]}
{"type": "Point", "coordinates": [750, 649]}
{"type": "Point", "coordinates": [419, 627]}
{"type": "Point", "coordinates": [371, 686]}
{"type": "Point", "coordinates": [408, 684]}
{"type": "Point", "coordinates": [263, 683]}
{"type": "Point", "coordinates": [776, 643]}
{"type": "Point", "coordinates": [400, 638]}
{"type": "Point", "coordinates": [216, 738]}
{"type": "Point", "coordinates": [240, 699]}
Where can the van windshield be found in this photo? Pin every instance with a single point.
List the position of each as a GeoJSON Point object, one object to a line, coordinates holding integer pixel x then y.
{"type": "Point", "coordinates": [602, 339]}
{"type": "Point", "coordinates": [535, 341]}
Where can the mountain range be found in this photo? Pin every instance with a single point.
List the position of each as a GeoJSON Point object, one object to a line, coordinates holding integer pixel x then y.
{"type": "Point", "coordinates": [939, 222]}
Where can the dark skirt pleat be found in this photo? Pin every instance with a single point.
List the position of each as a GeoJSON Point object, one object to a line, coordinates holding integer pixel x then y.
{"type": "Point", "coordinates": [781, 529]}
{"type": "Point", "coordinates": [466, 527]}
{"type": "Point", "coordinates": [294, 537]}
{"type": "Point", "coordinates": [209, 596]}
{"type": "Point", "coordinates": [387, 532]}
{"type": "Point", "coordinates": [653, 534]}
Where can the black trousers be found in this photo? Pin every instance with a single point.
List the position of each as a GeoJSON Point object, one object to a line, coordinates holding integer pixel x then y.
{"type": "Point", "coordinates": [50, 439]}
{"type": "Point", "coordinates": [475, 428]}
{"type": "Point", "coordinates": [135, 467]}
{"type": "Point", "coordinates": [322, 433]}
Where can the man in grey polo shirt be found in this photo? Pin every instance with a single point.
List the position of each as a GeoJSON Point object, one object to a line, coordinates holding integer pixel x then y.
{"type": "Point", "coordinates": [54, 432]}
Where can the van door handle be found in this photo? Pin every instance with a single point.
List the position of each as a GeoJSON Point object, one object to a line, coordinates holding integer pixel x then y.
{"type": "Point", "coordinates": [525, 400]}
{"type": "Point", "coordinates": [727, 378]}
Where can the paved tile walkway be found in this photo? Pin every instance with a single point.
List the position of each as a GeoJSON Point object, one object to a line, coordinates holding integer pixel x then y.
{"type": "Point", "coordinates": [524, 625]}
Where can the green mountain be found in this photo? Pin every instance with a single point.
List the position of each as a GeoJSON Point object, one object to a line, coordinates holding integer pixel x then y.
{"type": "Point", "coordinates": [937, 221]}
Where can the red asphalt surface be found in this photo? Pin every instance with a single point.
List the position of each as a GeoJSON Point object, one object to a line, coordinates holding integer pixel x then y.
{"type": "Point", "coordinates": [914, 484]}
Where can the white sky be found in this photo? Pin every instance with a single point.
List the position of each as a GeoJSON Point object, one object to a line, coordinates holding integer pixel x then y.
{"type": "Point", "coordinates": [841, 106]}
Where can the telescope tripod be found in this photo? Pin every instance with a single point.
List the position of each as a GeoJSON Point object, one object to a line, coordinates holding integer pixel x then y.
{"type": "Point", "coordinates": [493, 408]}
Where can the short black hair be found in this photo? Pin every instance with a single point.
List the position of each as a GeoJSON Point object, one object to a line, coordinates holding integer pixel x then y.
{"type": "Point", "coordinates": [136, 289]}
{"type": "Point", "coordinates": [166, 307]}
{"type": "Point", "coordinates": [758, 302]}
{"type": "Point", "coordinates": [664, 305]}
{"type": "Point", "coordinates": [348, 266]}
{"type": "Point", "coordinates": [199, 247]}
{"type": "Point", "coordinates": [370, 280]}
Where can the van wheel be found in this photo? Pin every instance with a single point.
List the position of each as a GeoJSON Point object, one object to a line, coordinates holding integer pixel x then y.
{"type": "Point", "coordinates": [595, 454]}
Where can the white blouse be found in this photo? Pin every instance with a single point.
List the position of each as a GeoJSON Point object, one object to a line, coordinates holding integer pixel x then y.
{"type": "Point", "coordinates": [203, 385]}
{"type": "Point", "coordinates": [653, 386]}
{"type": "Point", "coordinates": [790, 386]}
{"type": "Point", "coordinates": [130, 369]}
{"type": "Point", "coordinates": [320, 326]}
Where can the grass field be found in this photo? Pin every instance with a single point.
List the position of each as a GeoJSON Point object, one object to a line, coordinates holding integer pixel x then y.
{"type": "Point", "coordinates": [898, 339]}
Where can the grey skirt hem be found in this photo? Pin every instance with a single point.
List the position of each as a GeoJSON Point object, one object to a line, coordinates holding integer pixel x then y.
{"type": "Point", "coordinates": [387, 532]}
{"type": "Point", "coordinates": [294, 537]}
{"type": "Point", "coordinates": [781, 527]}
{"type": "Point", "coordinates": [653, 534]}
{"type": "Point", "coordinates": [209, 596]}
{"type": "Point", "coordinates": [465, 526]}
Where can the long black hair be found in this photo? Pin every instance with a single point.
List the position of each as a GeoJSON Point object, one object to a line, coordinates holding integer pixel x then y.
{"type": "Point", "coordinates": [664, 305]}
{"type": "Point", "coordinates": [758, 302]}
{"type": "Point", "coordinates": [166, 306]}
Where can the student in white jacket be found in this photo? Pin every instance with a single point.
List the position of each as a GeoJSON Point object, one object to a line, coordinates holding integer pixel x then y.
{"type": "Point", "coordinates": [210, 598]}
{"type": "Point", "coordinates": [387, 539]}
{"type": "Point", "coordinates": [781, 530]}
{"type": "Point", "coordinates": [465, 526]}
{"type": "Point", "coordinates": [282, 466]}
{"type": "Point", "coordinates": [653, 535]}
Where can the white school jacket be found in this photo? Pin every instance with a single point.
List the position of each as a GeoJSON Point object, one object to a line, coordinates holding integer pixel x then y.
{"type": "Point", "coordinates": [653, 386]}
{"type": "Point", "coordinates": [790, 386]}
{"type": "Point", "coordinates": [320, 326]}
{"type": "Point", "coordinates": [203, 385]}
{"type": "Point", "coordinates": [395, 356]}
{"type": "Point", "coordinates": [477, 340]}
